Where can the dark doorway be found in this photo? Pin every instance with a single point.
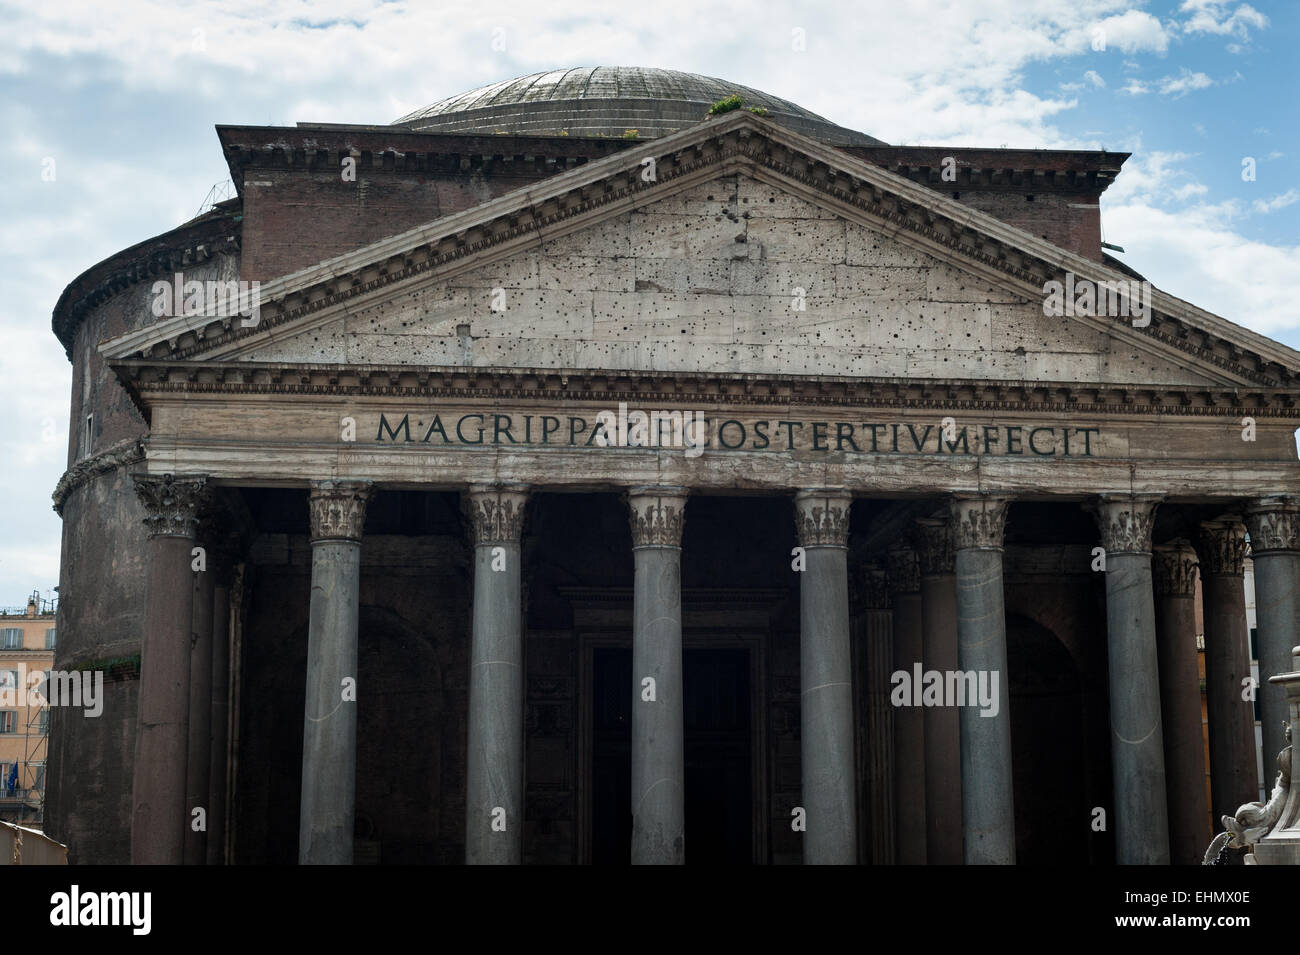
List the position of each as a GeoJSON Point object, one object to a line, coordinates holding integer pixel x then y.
{"type": "Point", "coordinates": [1047, 748]}
{"type": "Point", "coordinates": [719, 798]}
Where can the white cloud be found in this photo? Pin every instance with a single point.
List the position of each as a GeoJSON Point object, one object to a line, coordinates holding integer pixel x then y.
{"type": "Point", "coordinates": [1093, 77]}
{"type": "Point", "coordinates": [1185, 82]}
{"type": "Point", "coordinates": [1135, 88]}
{"type": "Point", "coordinates": [1198, 257]}
{"type": "Point", "coordinates": [1212, 16]}
{"type": "Point", "coordinates": [1265, 206]}
{"type": "Point", "coordinates": [1134, 31]}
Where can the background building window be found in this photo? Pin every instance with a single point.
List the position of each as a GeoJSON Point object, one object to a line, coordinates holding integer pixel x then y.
{"type": "Point", "coordinates": [45, 721]}
{"type": "Point", "coordinates": [36, 770]}
{"type": "Point", "coordinates": [8, 721]}
{"type": "Point", "coordinates": [11, 638]}
{"type": "Point", "coordinates": [51, 635]}
{"type": "Point", "coordinates": [8, 679]}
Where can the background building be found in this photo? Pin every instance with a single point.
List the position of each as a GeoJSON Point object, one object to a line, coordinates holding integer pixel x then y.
{"type": "Point", "coordinates": [27, 642]}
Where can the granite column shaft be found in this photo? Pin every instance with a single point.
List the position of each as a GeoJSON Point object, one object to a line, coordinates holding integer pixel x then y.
{"type": "Point", "coordinates": [329, 750]}
{"type": "Point", "coordinates": [1136, 733]}
{"type": "Point", "coordinates": [160, 818]}
{"type": "Point", "coordinates": [988, 808]}
{"type": "Point", "coordinates": [826, 680]}
{"type": "Point", "coordinates": [494, 799]}
{"type": "Point", "coordinates": [658, 516]}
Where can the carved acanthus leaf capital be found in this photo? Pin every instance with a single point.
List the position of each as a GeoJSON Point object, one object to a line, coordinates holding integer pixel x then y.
{"type": "Point", "coordinates": [822, 517]}
{"type": "Point", "coordinates": [172, 504]}
{"type": "Point", "coordinates": [1274, 524]}
{"type": "Point", "coordinates": [934, 545]}
{"type": "Point", "coordinates": [657, 515]}
{"type": "Point", "coordinates": [978, 522]}
{"type": "Point", "coordinates": [1173, 569]}
{"type": "Point", "coordinates": [338, 509]}
{"type": "Point", "coordinates": [1125, 522]}
{"type": "Point", "coordinates": [1222, 547]}
{"type": "Point", "coordinates": [496, 513]}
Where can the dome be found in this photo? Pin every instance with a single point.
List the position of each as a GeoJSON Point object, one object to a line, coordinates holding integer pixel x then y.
{"type": "Point", "coordinates": [606, 101]}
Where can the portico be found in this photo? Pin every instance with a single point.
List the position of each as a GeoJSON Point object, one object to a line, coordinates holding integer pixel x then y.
{"type": "Point", "coordinates": [919, 466]}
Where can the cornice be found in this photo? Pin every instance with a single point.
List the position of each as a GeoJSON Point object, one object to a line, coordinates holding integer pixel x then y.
{"type": "Point", "coordinates": [739, 142]}
{"type": "Point", "coordinates": [146, 379]}
{"type": "Point", "coordinates": [116, 456]}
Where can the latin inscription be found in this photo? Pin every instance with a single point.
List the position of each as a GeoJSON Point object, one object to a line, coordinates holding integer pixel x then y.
{"type": "Point", "coordinates": [731, 434]}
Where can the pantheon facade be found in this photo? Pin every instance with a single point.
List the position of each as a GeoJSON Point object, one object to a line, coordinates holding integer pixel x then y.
{"type": "Point", "coordinates": [591, 478]}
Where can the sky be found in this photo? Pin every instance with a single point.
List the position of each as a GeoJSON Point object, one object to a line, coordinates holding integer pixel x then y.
{"type": "Point", "coordinates": [109, 111]}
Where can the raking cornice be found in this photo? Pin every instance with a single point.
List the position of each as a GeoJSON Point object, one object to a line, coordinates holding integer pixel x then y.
{"type": "Point", "coordinates": [859, 191]}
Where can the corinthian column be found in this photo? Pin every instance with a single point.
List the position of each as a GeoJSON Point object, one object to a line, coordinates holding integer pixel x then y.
{"type": "Point", "coordinates": [1136, 740]}
{"type": "Point", "coordinates": [1174, 568]}
{"type": "Point", "coordinates": [826, 680]}
{"type": "Point", "coordinates": [160, 817]}
{"type": "Point", "coordinates": [943, 827]}
{"type": "Point", "coordinates": [988, 807]}
{"type": "Point", "coordinates": [1274, 524]}
{"type": "Point", "coordinates": [329, 740]}
{"type": "Point", "coordinates": [658, 515]}
{"type": "Point", "coordinates": [909, 721]}
{"type": "Point", "coordinates": [1234, 779]}
{"type": "Point", "coordinates": [494, 788]}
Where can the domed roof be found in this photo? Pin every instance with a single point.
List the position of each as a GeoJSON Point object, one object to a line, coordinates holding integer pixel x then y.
{"type": "Point", "coordinates": [605, 101]}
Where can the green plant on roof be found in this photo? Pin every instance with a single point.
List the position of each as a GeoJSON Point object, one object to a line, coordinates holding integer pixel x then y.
{"type": "Point", "coordinates": [726, 105]}
{"type": "Point", "coordinates": [631, 134]}
{"type": "Point", "coordinates": [759, 111]}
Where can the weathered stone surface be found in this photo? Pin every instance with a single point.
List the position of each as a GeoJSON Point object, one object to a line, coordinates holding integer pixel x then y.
{"type": "Point", "coordinates": [690, 287]}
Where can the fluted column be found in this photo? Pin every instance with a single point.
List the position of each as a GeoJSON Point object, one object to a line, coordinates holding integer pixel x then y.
{"type": "Point", "coordinates": [494, 789]}
{"type": "Point", "coordinates": [1234, 778]}
{"type": "Point", "coordinates": [658, 515]}
{"type": "Point", "coordinates": [160, 816]}
{"type": "Point", "coordinates": [943, 827]}
{"type": "Point", "coordinates": [1136, 739]}
{"type": "Point", "coordinates": [1274, 525]}
{"type": "Point", "coordinates": [988, 807]}
{"type": "Point", "coordinates": [337, 512]}
{"type": "Point", "coordinates": [1174, 571]}
{"type": "Point", "coordinates": [909, 721]}
{"type": "Point", "coordinates": [826, 681]}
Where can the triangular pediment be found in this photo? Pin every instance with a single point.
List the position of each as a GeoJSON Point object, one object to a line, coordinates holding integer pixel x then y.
{"type": "Point", "coordinates": [733, 247]}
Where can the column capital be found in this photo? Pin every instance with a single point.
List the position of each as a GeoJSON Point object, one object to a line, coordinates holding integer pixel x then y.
{"type": "Point", "coordinates": [934, 545]}
{"type": "Point", "coordinates": [978, 521]}
{"type": "Point", "coordinates": [904, 570]}
{"type": "Point", "coordinates": [1125, 521]}
{"type": "Point", "coordinates": [337, 509]}
{"type": "Point", "coordinates": [1173, 569]}
{"type": "Point", "coordinates": [657, 515]}
{"type": "Point", "coordinates": [1274, 524]}
{"type": "Point", "coordinates": [1223, 546]}
{"type": "Point", "coordinates": [821, 517]}
{"type": "Point", "coordinates": [495, 512]}
{"type": "Point", "coordinates": [172, 504]}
